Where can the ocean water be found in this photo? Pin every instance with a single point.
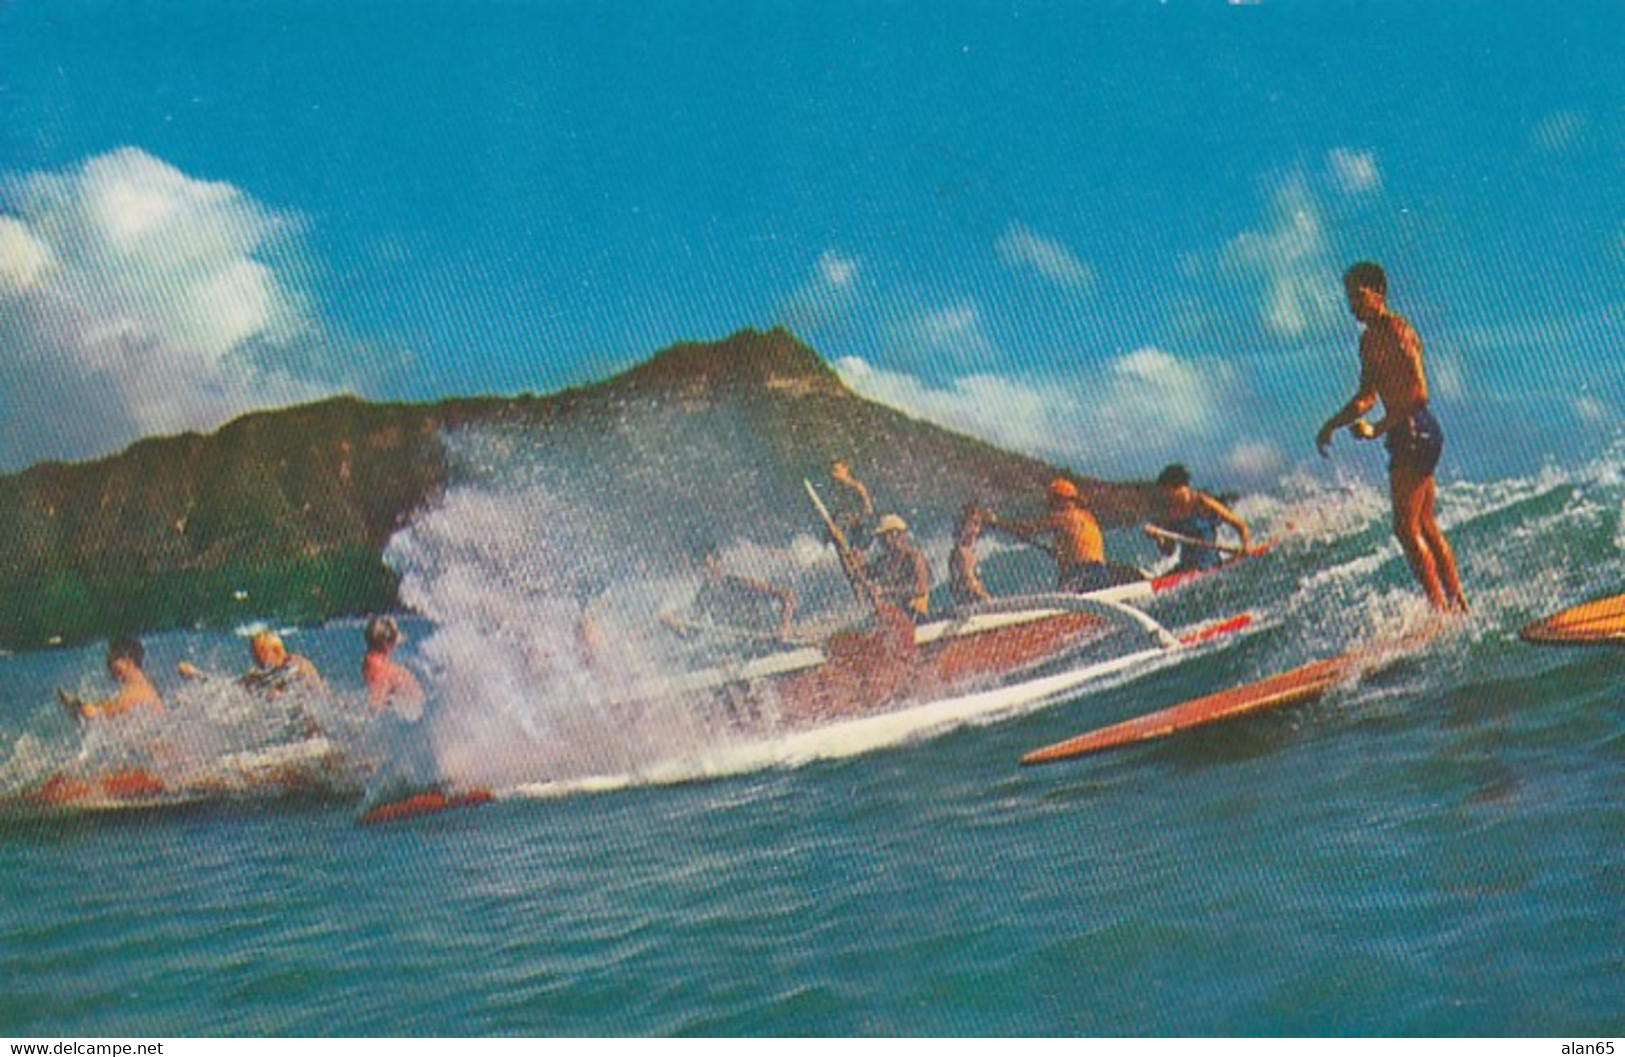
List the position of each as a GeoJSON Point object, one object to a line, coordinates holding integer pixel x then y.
{"type": "Point", "coordinates": [1435, 848]}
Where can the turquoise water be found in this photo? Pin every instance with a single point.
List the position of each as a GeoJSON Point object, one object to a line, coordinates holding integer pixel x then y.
{"type": "Point", "coordinates": [1435, 849]}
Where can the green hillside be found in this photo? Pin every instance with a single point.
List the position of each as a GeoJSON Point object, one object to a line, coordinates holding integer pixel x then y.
{"type": "Point", "coordinates": [284, 515]}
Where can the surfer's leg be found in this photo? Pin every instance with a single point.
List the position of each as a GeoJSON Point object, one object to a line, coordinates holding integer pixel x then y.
{"type": "Point", "coordinates": [1412, 495]}
{"type": "Point", "coordinates": [1444, 559]}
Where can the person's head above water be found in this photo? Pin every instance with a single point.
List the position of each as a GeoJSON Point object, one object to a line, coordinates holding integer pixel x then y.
{"type": "Point", "coordinates": [267, 649]}
{"type": "Point", "coordinates": [381, 633]}
{"type": "Point", "coordinates": [125, 651]}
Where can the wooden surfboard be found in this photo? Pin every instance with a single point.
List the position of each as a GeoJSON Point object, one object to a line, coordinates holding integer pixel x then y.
{"type": "Point", "coordinates": [1599, 623]}
{"type": "Point", "coordinates": [1288, 688]}
{"type": "Point", "coordinates": [1277, 691]}
{"type": "Point", "coordinates": [420, 804]}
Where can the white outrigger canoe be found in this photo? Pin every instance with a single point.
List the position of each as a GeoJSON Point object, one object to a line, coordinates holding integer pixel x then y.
{"type": "Point", "coordinates": [843, 699]}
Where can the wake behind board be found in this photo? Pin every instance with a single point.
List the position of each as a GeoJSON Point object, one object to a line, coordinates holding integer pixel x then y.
{"type": "Point", "coordinates": [1294, 687]}
{"type": "Point", "coordinates": [418, 805]}
{"type": "Point", "coordinates": [1598, 623]}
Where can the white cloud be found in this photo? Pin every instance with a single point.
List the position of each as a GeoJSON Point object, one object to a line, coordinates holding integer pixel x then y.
{"type": "Point", "coordinates": [1255, 461]}
{"type": "Point", "coordinates": [1447, 376]}
{"type": "Point", "coordinates": [1354, 172]}
{"type": "Point", "coordinates": [23, 258]}
{"type": "Point", "coordinates": [836, 270]}
{"type": "Point", "coordinates": [1153, 389]}
{"type": "Point", "coordinates": [136, 299]}
{"type": "Point", "coordinates": [1125, 417]}
{"type": "Point", "coordinates": [1291, 259]}
{"type": "Point", "coordinates": [1020, 247]}
{"type": "Point", "coordinates": [953, 333]}
{"type": "Point", "coordinates": [826, 296]}
{"type": "Point", "coordinates": [1005, 411]}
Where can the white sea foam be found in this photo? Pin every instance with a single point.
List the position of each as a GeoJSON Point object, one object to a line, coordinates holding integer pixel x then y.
{"type": "Point", "coordinates": [541, 629]}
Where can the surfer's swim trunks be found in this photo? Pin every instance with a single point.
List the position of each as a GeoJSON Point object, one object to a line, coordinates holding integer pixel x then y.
{"type": "Point", "coordinates": [1416, 443]}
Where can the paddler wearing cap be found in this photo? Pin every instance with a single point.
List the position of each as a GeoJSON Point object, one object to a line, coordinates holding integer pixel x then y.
{"type": "Point", "coordinates": [1076, 541]}
{"type": "Point", "coordinates": [899, 571]}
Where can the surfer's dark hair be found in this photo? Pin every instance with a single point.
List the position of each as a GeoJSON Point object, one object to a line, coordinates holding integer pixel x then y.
{"type": "Point", "coordinates": [1367, 274]}
{"type": "Point", "coordinates": [125, 648]}
{"type": "Point", "coordinates": [1173, 476]}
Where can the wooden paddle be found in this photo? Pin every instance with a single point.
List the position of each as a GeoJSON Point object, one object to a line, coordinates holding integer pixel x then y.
{"type": "Point", "coordinates": [1191, 541]}
{"type": "Point", "coordinates": [72, 704]}
{"type": "Point", "coordinates": [849, 562]}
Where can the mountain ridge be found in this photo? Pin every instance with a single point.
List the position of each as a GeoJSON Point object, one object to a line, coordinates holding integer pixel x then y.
{"type": "Point", "coordinates": [284, 514]}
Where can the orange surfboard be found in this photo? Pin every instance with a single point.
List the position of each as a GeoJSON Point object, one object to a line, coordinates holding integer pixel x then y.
{"type": "Point", "coordinates": [1599, 623]}
{"type": "Point", "coordinates": [430, 803]}
{"type": "Point", "coordinates": [1278, 691]}
{"type": "Point", "coordinates": [1288, 688]}
{"type": "Point", "coordinates": [130, 786]}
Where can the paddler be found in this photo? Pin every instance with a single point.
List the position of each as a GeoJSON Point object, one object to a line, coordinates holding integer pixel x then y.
{"type": "Point", "coordinates": [1076, 543]}
{"type": "Point", "coordinates": [1391, 370]}
{"type": "Point", "coordinates": [964, 579]}
{"type": "Point", "coordinates": [391, 686]}
{"type": "Point", "coordinates": [125, 656]}
{"type": "Point", "coordinates": [900, 573]}
{"type": "Point", "coordinates": [1196, 516]}
{"type": "Point", "coordinates": [277, 676]}
{"type": "Point", "coordinates": [728, 601]}
{"type": "Point", "coordinates": [854, 506]}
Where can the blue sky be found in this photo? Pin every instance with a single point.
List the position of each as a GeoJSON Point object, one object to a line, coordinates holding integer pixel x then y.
{"type": "Point", "coordinates": [1108, 234]}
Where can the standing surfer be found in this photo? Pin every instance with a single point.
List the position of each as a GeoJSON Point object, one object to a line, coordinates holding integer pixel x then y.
{"type": "Point", "coordinates": [1391, 370]}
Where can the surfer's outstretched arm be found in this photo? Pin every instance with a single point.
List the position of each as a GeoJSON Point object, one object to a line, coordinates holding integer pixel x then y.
{"type": "Point", "coordinates": [1349, 414]}
{"type": "Point", "coordinates": [1022, 530]}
